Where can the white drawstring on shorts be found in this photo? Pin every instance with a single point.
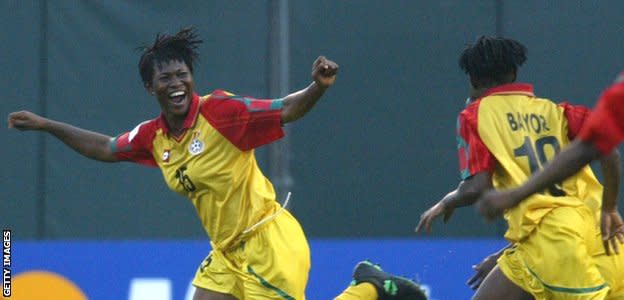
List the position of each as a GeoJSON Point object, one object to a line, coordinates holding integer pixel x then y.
{"type": "Point", "coordinates": [270, 217]}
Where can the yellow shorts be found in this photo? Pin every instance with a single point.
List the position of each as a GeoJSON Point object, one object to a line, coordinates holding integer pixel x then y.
{"type": "Point", "coordinates": [612, 269]}
{"type": "Point", "coordinates": [272, 264]}
{"type": "Point", "coordinates": [554, 262]}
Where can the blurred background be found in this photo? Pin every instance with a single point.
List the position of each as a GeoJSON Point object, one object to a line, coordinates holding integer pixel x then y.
{"type": "Point", "coordinates": [376, 152]}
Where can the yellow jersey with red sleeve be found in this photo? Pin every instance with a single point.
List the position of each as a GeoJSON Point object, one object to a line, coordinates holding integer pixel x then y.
{"type": "Point", "coordinates": [511, 133]}
{"type": "Point", "coordinates": [212, 163]}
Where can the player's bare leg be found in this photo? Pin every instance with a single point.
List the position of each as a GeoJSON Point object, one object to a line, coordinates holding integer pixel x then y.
{"type": "Point", "coordinates": [497, 286]}
{"type": "Point", "coordinates": [204, 294]}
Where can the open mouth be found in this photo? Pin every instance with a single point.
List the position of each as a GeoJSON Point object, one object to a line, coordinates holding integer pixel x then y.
{"type": "Point", "coordinates": [177, 97]}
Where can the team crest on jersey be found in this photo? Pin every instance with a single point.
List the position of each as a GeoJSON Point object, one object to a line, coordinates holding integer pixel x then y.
{"type": "Point", "coordinates": [166, 155]}
{"type": "Point", "coordinates": [196, 146]}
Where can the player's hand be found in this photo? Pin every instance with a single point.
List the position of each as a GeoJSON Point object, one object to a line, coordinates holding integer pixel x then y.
{"type": "Point", "coordinates": [612, 229]}
{"type": "Point", "coordinates": [492, 204]}
{"type": "Point", "coordinates": [482, 270]}
{"type": "Point", "coordinates": [324, 72]}
{"type": "Point", "coordinates": [25, 120]}
{"type": "Point", "coordinates": [426, 219]}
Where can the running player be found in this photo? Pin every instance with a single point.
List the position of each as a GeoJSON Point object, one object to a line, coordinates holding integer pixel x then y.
{"type": "Point", "coordinates": [603, 131]}
{"type": "Point", "coordinates": [204, 147]}
{"type": "Point", "coordinates": [504, 135]}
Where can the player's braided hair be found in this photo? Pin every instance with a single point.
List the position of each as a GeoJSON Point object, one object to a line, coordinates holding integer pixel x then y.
{"type": "Point", "coordinates": [179, 47]}
{"type": "Point", "coordinates": [491, 59]}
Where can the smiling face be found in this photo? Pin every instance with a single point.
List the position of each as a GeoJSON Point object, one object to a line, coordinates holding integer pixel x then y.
{"type": "Point", "coordinates": [172, 85]}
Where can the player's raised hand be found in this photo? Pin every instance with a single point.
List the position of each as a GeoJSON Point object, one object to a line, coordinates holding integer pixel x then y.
{"type": "Point", "coordinates": [612, 228]}
{"type": "Point", "coordinates": [25, 120]}
{"type": "Point", "coordinates": [427, 218]}
{"type": "Point", "coordinates": [324, 71]}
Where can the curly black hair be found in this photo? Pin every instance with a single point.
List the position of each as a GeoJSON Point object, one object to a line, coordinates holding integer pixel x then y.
{"type": "Point", "coordinates": [491, 59]}
{"type": "Point", "coordinates": [179, 47]}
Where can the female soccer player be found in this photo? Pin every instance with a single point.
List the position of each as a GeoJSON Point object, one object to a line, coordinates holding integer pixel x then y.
{"type": "Point", "coordinates": [504, 135]}
{"type": "Point", "coordinates": [204, 147]}
{"type": "Point", "coordinates": [600, 135]}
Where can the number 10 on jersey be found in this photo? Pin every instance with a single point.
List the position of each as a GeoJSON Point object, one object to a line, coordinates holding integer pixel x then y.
{"type": "Point", "coordinates": [530, 149]}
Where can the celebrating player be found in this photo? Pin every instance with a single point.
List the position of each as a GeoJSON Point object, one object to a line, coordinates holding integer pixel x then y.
{"type": "Point", "coordinates": [600, 135]}
{"type": "Point", "coordinates": [204, 147]}
{"type": "Point", "coordinates": [504, 135]}
{"type": "Point", "coordinates": [602, 132]}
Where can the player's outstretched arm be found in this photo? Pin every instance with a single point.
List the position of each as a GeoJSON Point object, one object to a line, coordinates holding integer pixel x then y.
{"type": "Point", "coordinates": [493, 203]}
{"type": "Point", "coordinates": [297, 104]}
{"type": "Point", "coordinates": [611, 224]}
{"type": "Point", "coordinates": [88, 143]}
{"type": "Point", "coordinates": [611, 173]}
{"type": "Point", "coordinates": [465, 194]}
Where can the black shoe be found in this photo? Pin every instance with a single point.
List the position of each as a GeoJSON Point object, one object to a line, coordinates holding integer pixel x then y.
{"type": "Point", "coordinates": [389, 287]}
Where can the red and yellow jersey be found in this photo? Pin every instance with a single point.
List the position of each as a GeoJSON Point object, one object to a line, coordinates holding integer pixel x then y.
{"type": "Point", "coordinates": [605, 126]}
{"type": "Point", "coordinates": [213, 163]}
{"type": "Point", "coordinates": [511, 133]}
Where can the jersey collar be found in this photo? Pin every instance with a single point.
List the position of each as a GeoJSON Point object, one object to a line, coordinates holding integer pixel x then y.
{"type": "Point", "coordinates": [511, 88]}
{"type": "Point", "coordinates": [190, 117]}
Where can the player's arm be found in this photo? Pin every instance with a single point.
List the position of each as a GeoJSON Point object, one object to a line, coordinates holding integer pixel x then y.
{"type": "Point", "coordinates": [297, 104]}
{"type": "Point", "coordinates": [611, 172]}
{"type": "Point", "coordinates": [611, 224]}
{"type": "Point", "coordinates": [88, 143]}
{"type": "Point", "coordinates": [476, 165]}
{"type": "Point", "coordinates": [466, 193]}
{"type": "Point", "coordinates": [484, 268]}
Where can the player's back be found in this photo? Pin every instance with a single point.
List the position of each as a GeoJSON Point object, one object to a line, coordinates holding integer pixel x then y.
{"type": "Point", "coordinates": [523, 132]}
